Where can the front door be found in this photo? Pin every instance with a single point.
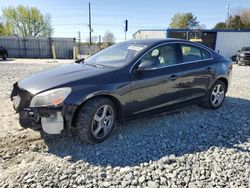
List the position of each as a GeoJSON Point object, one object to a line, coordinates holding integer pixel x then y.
{"type": "Point", "coordinates": [156, 86]}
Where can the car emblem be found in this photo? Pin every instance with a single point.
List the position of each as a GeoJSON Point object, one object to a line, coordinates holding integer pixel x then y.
{"type": "Point", "coordinates": [16, 101]}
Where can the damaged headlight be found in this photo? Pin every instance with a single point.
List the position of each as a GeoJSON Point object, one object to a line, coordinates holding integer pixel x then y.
{"type": "Point", "coordinates": [53, 97]}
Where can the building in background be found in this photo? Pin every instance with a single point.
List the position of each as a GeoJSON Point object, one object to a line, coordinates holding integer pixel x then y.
{"type": "Point", "coordinates": [225, 42]}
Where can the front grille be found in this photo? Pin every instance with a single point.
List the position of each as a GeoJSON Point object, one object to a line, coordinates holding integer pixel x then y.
{"type": "Point", "coordinates": [24, 95]}
{"type": "Point", "coordinates": [247, 56]}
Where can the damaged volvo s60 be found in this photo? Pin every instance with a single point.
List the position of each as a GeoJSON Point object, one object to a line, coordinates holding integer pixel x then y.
{"type": "Point", "coordinates": [120, 82]}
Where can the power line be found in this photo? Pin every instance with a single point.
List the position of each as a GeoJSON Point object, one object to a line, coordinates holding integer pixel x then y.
{"type": "Point", "coordinates": [165, 13]}
{"type": "Point", "coordinates": [202, 11]}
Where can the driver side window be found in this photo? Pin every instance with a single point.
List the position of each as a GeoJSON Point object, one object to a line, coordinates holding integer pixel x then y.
{"type": "Point", "coordinates": [162, 56]}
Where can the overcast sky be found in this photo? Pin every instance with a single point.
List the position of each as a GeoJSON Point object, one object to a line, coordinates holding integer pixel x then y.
{"type": "Point", "coordinates": [71, 16]}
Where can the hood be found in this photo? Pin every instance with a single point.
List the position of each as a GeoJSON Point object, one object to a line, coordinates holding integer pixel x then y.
{"type": "Point", "coordinates": [57, 76]}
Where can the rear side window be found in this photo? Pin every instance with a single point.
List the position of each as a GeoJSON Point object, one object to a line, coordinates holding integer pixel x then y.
{"type": "Point", "coordinates": [192, 53]}
{"type": "Point", "coordinates": [205, 54]}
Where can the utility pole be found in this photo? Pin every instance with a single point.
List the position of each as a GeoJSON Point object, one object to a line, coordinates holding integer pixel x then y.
{"type": "Point", "coordinates": [228, 10]}
{"type": "Point", "coordinates": [90, 28]}
{"type": "Point", "coordinates": [79, 37]}
{"type": "Point", "coordinates": [228, 13]}
{"type": "Point", "coordinates": [100, 42]}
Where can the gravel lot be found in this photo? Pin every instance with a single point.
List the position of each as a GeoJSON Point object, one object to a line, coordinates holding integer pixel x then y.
{"type": "Point", "coordinates": [192, 147]}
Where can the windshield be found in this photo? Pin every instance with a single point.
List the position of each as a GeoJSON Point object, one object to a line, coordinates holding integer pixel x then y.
{"type": "Point", "coordinates": [246, 49]}
{"type": "Point", "coordinates": [117, 55]}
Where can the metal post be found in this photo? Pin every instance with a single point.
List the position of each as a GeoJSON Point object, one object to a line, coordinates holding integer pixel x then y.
{"type": "Point", "coordinates": [125, 28]}
{"type": "Point", "coordinates": [50, 47]}
{"type": "Point", "coordinates": [19, 47]}
{"type": "Point", "coordinates": [79, 45]}
{"type": "Point", "coordinates": [39, 48]}
{"type": "Point", "coordinates": [25, 47]}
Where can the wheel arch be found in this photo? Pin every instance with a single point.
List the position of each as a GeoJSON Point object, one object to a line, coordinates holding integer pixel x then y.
{"type": "Point", "coordinates": [117, 103]}
{"type": "Point", "coordinates": [223, 79]}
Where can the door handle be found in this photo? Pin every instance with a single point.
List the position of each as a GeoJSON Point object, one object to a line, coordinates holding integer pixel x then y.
{"type": "Point", "coordinates": [174, 77]}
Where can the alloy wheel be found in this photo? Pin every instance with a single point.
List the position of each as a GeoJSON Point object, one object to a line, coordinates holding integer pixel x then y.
{"type": "Point", "coordinates": [103, 121]}
{"type": "Point", "coordinates": [218, 95]}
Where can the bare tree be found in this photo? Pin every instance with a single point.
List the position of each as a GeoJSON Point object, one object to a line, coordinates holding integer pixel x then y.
{"type": "Point", "coordinates": [109, 37]}
{"type": "Point", "coordinates": [245, 17]}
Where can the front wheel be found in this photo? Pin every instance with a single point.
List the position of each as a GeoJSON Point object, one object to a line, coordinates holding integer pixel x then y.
{"type": "Point", "coordinates": [216, 95]}
{"type": "Point", "coordinates": [96, 120]}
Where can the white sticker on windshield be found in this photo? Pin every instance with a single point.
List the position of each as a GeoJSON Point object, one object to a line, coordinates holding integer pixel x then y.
{"type": "Point", "coordinates": [136, 48]}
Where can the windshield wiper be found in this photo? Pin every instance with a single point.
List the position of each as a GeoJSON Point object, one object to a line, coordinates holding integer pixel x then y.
{"type": "Point", "coordinates": [94, 65]}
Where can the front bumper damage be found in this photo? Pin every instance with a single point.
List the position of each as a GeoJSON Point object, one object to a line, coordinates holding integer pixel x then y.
{"type": "Point", "coordinates": [52, 120]}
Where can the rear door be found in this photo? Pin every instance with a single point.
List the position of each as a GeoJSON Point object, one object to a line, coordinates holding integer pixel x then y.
{"type": "Point", "coordinates": [196, 70]}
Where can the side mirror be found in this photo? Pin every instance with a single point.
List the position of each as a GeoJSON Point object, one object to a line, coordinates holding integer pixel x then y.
{"type": "Point", "coordinates": [79, 60]}
{"type": "Point", "coordinates": [145, 65]}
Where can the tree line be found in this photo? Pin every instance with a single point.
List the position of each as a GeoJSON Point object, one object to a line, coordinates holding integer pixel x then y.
{"type": "Point", "coordinates": [239, 20]}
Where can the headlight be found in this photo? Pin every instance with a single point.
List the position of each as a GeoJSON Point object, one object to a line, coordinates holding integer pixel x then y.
{"type": "Point", "coordinates": [53, 97]}
{"type": "Point", "coordinates": [242, 55]}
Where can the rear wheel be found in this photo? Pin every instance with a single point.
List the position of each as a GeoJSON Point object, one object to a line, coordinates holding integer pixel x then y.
{"type": "Point", "coordinates": [216, 95]}
{"type": "Point", "coordinates": [96, 120]}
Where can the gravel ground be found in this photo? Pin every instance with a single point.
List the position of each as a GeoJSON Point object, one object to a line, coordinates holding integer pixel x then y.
{"type": "Point", "coordinates": [192, 147]}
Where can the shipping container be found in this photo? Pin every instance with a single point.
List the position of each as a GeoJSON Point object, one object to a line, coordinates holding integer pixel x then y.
{"type": "Point", "coordinates": [227, 43]}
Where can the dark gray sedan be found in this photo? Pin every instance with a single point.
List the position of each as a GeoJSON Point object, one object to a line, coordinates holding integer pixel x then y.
{"type": "Point", "coordinates": [121, 82]}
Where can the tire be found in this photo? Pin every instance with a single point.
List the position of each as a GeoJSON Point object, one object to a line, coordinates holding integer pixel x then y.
{"type": "Point", "coordinates": [215, 97]}
{"type": "Point", "coordinates": [241, 63]}
{"type": "Point", "coordinates": [5, 56]}
{"type": "Point", "coordinates": [96, 120]}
